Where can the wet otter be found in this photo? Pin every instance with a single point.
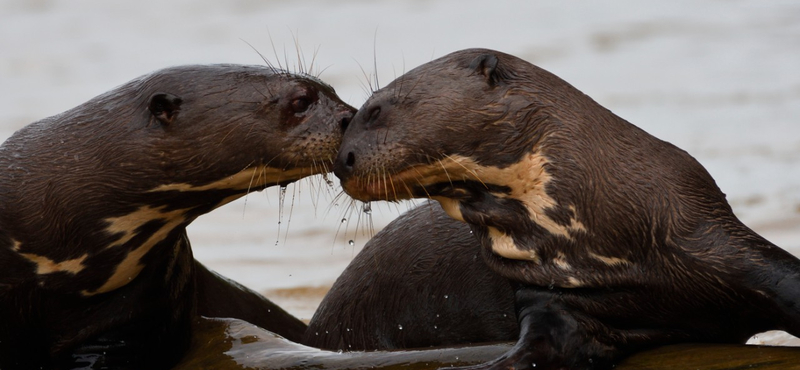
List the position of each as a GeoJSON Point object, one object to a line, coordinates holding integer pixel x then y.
{"type": "Point", "coordinates": [420, 282]}
{"type": "Point", "coordinates": [616, 240]}
{"type": "Point", "coordinates": [95, 265]}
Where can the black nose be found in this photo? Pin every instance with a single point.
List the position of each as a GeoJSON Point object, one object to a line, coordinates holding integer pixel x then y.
{"type": "Point", "coordinates": [344, 165]}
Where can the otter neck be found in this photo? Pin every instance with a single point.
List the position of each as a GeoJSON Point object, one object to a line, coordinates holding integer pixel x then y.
{"type": "Point", "coordinates": [515, 207]}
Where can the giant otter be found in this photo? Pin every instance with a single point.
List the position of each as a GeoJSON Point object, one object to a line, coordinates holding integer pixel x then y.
{"type": "Point", "coordinates": [95, 266]}
{"type": "Point", "coordinates": [616, 241]}
{"type": "Point", "coordinates": [420, 282]}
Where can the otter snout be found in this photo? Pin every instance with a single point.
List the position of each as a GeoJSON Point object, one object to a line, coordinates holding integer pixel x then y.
{"type": "Point", "coordinates": [366, 119]}
{"type": "Point", "coordinates": [344, 165]}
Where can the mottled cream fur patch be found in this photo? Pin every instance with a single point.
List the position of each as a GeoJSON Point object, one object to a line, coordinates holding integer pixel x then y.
{"type": "Point", "coordinates": [450, 206]}
{"type": "Point", "coordinates": [527, 180]}
{"type": "Point", "coordinates": [610, 261]}
{"type": "Point", "coordinates": [573, 282]}
{"type": "Point", "coordinates": [130, 267]}
{"type": "Point", "coordinates": [561, 261]}
{"type": "Point", "coordinates": [504, 246]}
{"type": "Point", "coordinates": [249, 178]}
{"type": "Point", "coordinates": [128, 224]}
{"type": "Point", "coordinates": [45, 265]}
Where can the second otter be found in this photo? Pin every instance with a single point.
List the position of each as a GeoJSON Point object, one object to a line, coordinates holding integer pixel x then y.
{"type": "Point", "coordinates": [617, 241]}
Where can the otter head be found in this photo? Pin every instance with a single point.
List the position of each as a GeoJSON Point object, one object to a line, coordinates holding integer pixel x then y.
{"type": "Point", "coordinates": [467, 130]}
{"type": "Point", "coordinates": [239, 128]}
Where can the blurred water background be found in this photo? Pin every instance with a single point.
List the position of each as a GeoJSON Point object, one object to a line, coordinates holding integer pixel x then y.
{"type": "Point", "coordinates": [719, 79]}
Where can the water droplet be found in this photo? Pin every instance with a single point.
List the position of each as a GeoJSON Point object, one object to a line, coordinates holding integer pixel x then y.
{"type": "Point", "coordinates": [349, 346]}
{"type": "Point", "coordinates": [533, 364]}
{"type": "Point", "coordinates": [435, 327]}
{"type": "Point", "coordinates": [437, 315]}
{"type": "Point", "coordinates": [344, 220]}
{"type": "Point", "coordinates": [505, 315]}
{"type": "Point", "coordinates": [348, 329]}
{"type": "Point", "coordinates": [352, 243]}
{"type": "Point", "coordinates": [445, 296]}
{"type": "Point", "coordinates": [316, 333]}
{"type": "Point", "coordinates": [400, 327]}
{"type": "Point", "coordinates": [268, 310]}
{"type": "Point", "coordinates": [326, 332]}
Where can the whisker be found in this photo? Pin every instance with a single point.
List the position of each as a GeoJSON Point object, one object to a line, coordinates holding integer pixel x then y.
{"type": "Point", "coordinates": [366, 76]}
{"type": "Point", "coordinates": [467, 169]}
{"type": "Point", "coordinates": [313, 59]}
{"type": "Point", "coordinates": [385, 185]}
{"type": "Point", "coordinates": [445, 171]}
{"type": "Point", "coordinates": [299, 52]}
{"type": "Point", "coordinates": [295, 190]}
{"type": "Point", "coordinates": [275, 51]}
{"type": "Point", "coordinates": [261, 55]}
{"type": "Point", "coordinates": [375, 59]}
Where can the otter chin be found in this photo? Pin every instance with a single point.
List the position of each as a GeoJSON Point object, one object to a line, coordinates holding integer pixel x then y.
{"type": "Point", "coordinates": [615, 241]}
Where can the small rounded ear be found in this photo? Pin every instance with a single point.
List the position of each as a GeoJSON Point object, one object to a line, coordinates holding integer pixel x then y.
{"type": "Point", "coordinates": [486, 65]}
{"type": "Point", "coordinates": [165, 107]}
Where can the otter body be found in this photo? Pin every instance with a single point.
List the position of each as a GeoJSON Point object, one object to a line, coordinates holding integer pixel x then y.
{"type": "Point", "coordinates": [95, 266]}
{"type": "Point", "coordinates": [420, 282]}
{"type": "Point", "coordinates": [616, 241]}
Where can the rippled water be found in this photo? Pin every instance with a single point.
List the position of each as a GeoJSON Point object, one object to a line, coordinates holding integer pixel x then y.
{"type": "Point", "coordinates": [717, 78]}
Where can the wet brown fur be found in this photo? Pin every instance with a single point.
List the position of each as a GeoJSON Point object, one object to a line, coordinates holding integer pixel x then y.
{"type": "Point", "coordinates": [647, 252]}
{"type": "Point", "coordinates": [95, 266]}
{"type": "Point", "coordinates": [420, 282]}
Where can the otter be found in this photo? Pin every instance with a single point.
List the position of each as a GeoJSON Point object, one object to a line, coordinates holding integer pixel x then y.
{"type": "Point", "coordinates": [615, 241]}
{"type": "Point", "coordinates": [95, 265]}
{"type": "Point", "coordinates": [420, 282]}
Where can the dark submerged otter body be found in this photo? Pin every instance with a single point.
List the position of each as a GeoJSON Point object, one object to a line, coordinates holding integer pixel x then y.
{"type": "Point", "coordinates": [617, 240]}
{"type": "Point", "coordinates": [95, 266]}
{"type": "Point", "coordinates": [420, 282]}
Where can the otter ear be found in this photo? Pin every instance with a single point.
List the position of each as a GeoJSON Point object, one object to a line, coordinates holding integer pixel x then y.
{"type": "Point", "coordinates": [486, 65]}
{"type": "Point", "coordinates": [165, 107]}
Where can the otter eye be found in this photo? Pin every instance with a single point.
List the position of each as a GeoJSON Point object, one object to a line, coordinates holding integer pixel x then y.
{"type": "Point", "coordinates": [299, 105]}
{"type": "Point", "coordinates": [374, 113]}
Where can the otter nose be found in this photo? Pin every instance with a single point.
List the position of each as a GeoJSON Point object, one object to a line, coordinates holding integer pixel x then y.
{"type": "Point", "coordinates": [344, 165]}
